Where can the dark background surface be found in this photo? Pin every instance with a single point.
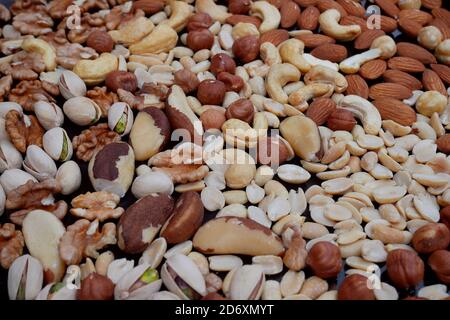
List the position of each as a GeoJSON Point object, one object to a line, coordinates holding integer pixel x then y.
{"type": "Point", "coordinates": [73, 130]}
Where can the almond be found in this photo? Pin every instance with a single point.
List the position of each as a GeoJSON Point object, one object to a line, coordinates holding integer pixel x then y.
{"type": "Point", "coordinates": [324, 5]}
{"type": "Point", "coordinates": [442, 26]}
{"type": "Point", "coordinates": [365, 39]}
{"type": "Point", "coordinates": [236, 18]}
{"type": "Point", "coordinates": [373, 69]}
{"type": "Point", "coordinates": [406, 64]}
{"type": "Point", "coordinates": [442, 14]}
{"type": "Point", "coordinates": [357, 86]}
{"type": "Point", "coordinates": [419, 16]}
{"type": "Point", "coordinates": [431, 4]}
{"type": "Point", "coordinates": [395, 110]}
{"type": "Point", "coordinates": [388, 7]}
{"type": "Point", "coordinates": [389, 90]}
{"type": "Point", "coordinates": [148, 6]}
{"type": "Point", "coordinates": [397, 76]}
{"type": "Point", "coordinates": [443, 71]}
{"type": "Point", "coordinates": [314, 40]}
{"type": "Point", "coordinates": [409, 27]}
{"type": "Point", "coordinates": [290, 11]}
{"type": "Point", "coordinates": [309, 18]}
{"type": "Point", "coordinates": [411, 50]}
{"type": "Point", "coordinates": [275, 36]}
{"type": "Point", "coordinates": [431, 81]}
{"type": "Point", "coordinates": [341, 119]}
{"type": "Point", "coordinates": [387, 24]}
{"type": "Point", "coordinates": [443, 143]}
{"type": "Point", "coordinates": [349, 20]}
{"type": "Point", "coordinates": [306, 3]}
{"type": "Point", "coordinates": [320, 109]}
{"type": "Point", "coordinates": [353, 8]}
{"type": "Point", "coordinates": [277, 3]}
{"type": "Point", "coordinates": [330, 51]}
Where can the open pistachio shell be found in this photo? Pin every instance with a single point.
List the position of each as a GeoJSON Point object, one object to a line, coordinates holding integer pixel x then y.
{"type": "Point", "coordinates": [25, 278]}
{"type": "Point", "coordinates": [138, 284]}
{"type": "Point", "coordinates": [71, 85]}
{"type": "Point", "coordinates": [57, 144]}
{"type": "Point", "coordinates": [5, 107]}
{"type": "Point", "coordinates": [10, 157]}
{"type": "Point", "coordinates": [247, 283]}
{"type": "Point", "coordinates": [2, 200]}
{"type": "Point", "coordinates": [57, 291]}
{"type": "Point", "coordinates": [39, 164]}
{"type": "Point", "coordinates": [82, 111]}
{"type": "Point", "coordinates": [120, 118]}
{"type": "Point", "coordinates": [48, 114]}
{"type": "Point", "coordinates": [69, 177]}
{"type": "Point", "coordinates": [14, 178]}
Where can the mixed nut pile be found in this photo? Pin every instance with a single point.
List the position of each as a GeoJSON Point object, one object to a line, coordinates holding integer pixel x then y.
{"type": "Point", "coordinates": [213, 116]}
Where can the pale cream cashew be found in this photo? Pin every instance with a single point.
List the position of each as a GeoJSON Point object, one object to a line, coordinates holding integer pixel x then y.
{"type": "Point", "coordinates": [442, 52]}
{"type": "Point", "coordinates": [217, 12]}
{"type": "Point", "coordinates": [94, 71]}
{"type": "Point", "coordinates": [313, 61]}
{"type": "Point", "coordinates": [364, 111]}
{"type": "Point", "coordinates": [132, 31]}
{"type": "Point", "coordinates": [278, 76]}
{"type": "Point", "coordinates": [324, 74]}
{"type": "Point", "coordinates": [179, 16]}
{"type": "Point", "coordinates": [291, 51]}
{"type": "Point", "coordinates": [162, 39]}
{"type": "Point", "coordinates": [299, 99]}
{"type": "Point", "coordinates": [329, 24]}
{"type": "Point", "coordinates": [268, 13]}
{"type": "Point", "coordinates": [42, 47]}
{"type": "Point", "coordinates": [269, 53]}
{"type": "Point", "coordinates": [383, 47]}
{"type": "Point", "coordinates": [243, 29]}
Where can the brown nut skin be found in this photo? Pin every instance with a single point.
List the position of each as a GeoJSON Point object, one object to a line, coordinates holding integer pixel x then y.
{"type": "Point", "coordinates": [200, 39]}
{"type": "Point", "coordinates": [431, 237]}
{"type": "Point", "coordinates": [148, 6]}
{"type": "Point", "coordinates": [246, 49]}
{"type": "Point", "coordinates": [445, 216]}
{"type": "Point", "coordinates": [405, 268]}
{"type": "Point", "coordinates": [222, 62]}
{"type": "Point", "coordinates": [96, 287]}
{"type": "Point", "coordinates": [100, 41]}
{"type": "Point", "coordinates": [186, 218]}
{"type": "Point", "coordinates": [341, 119]}
{"type": "Point", "coordinates": [199, 21]}
{"type": "Point", "coordinates": [324, 258]}
{"type": "Point", "coordinates": [241, 109]}
{"type": "Point", "coordinates": [265, 147]}
{"type": "Point", "coordinates": [212, 119]}
{"type": "Point", "coordinates": [141, 222]}
{"type": "Point", "coordinates": [121, 80]}
{"type": "Point", "coordinates": [239, 6]}
{"type": "Point", "coordinates": [354, 287]}
{"type": "Point", "coordinates": [439, 262]}
{"type": "Point", "coordinates": [232, 82]}
{"type": "Point", "coordinates": [211, 92]}
{"type": "Point", "coordinates": [187, 80]}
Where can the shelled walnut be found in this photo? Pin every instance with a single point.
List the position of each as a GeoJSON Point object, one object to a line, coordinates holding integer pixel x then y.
{"type": "Point", "coordinates": [23, 130]}
{"type": "Point", "coordinates": [99, 205]}
{"type": "Point", "coordinates": [28, 92]}
{"type": "Point", "coordinates": [11, 244]}
{"type": "Point", "coordinates": [93, 139]}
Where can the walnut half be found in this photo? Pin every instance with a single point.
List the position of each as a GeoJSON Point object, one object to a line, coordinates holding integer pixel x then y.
{"type": "Point", "coordinates": [11, 244]}
{"type": "Point", "coordinates": [99, 205]}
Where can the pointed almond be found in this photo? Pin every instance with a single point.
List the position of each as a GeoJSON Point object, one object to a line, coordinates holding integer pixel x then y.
{"type": "Point", "coordinates": [442, 14]}
{"type": "Point", "coordinates": [395, 110]}
{"type": "Point", "coordinates": [330, 51]}
{"type": "Point", "coordinates": [388, 24]}
{"type": "Point", "coordinates": [373, 69]}
{"type": "Point", "coordinates": [406, 64]}
{"type": "Point", "coordinates": [275, 36]}
{"type": "Point", "coordinates": [388, 7]}
{"type": "Point", "coordinates": [320, 110]}
{"type": "Point", "coordinates": [443, 71]}
{"type": "Point", "coordinates": [389, 90]}
{"type": "Point", "coordinates": [419, 16]}
{"type": "Point", "coordinates": [411, 50]}
{"type": "Point", "coordinates": [410, 27]}
{"type": "Point", "coordinates": [443, 143]}
{"type": "Point", "coordinates": [349, 20]}
{"type": "Point", "coordinates": [365, 39]}
{"type": "Point", "coordinates": [431, 81]}
{"type": "Point", "coordinates": [400, 77]}
{"type": "Point", "coordinates": [290, 11]}
{"type": "Point", "coordinates": [309, 18]}
{"type": "Point", "coordinates": [314, 40]}
{"type": "Point", "coordinates": [357, 86]}
{"type": "Point", "coordinates": [432, 4]}
{"type": "Point", "coordinates": [324, 5]}
{"type": "Point", "coordinates": [353, 8]}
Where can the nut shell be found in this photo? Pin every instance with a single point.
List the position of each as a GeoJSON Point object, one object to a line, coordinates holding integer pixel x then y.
{"type": "Point", "coordinates": [120, 118]}
{"type": "Point", "coordinates": [324, 258]}
{"type": "Point", "coordinates": [96, 287]}
{"type": "Point", "coordinates": [49, 114]}
{"type": "Point", "coordinates": [354, 287]}
{"type": "Point", "coordinates": [82, 111]}
{"type": "Point", "coordinates": [39, 164]}
{"type": "Point", "coordinates": [69, 177]}
{"type": "Point", "coordinates": [405, 268]}
{"type": "Point", "coordinates": [57, 144]}
{"type": "Point", "coordinates": [28, 269]}
{"type": "Point", "coordinates": [70, 85]}
{"type": "Point", "coordinates": [431, 237]}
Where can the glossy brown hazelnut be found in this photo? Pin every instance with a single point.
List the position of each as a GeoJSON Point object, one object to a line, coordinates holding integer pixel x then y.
{"type": "Point", "coordinates": [100, 41]}
{"type": "Point", "coordinates": [241, 109]}
{"type": "Point", "coordinates": [405, 268]}
{"type": "Point", "coordinates": [96, 287]}
{"type": "Point", "coordinates": [355, 287]}
{"type": "Point", "coordinates": [439, 262]}
{"type": "Point", "coordinates": [246, 49]}
{"type": "Point", "coordinates": [213, 119]}
{"type": "Point", "coordinates": [116, 80]}
{"type": "Point", "coordinates": [232, 82]}
{"type": "Point", "coordinates": [222, 62]}
{"type": "Point", "coordinates": [211, 92]}
{"type": "Point", "coordinates": [200, 39]}
{"type": "Point", "coordinates": [198, 21]}
{"type": "Point", "coordinates": [445, 216]}
{"type": "Point", "coordinates": [239, 6]}
{"type": "Point", "coordinates": [324, 259]}
{"type": "Point", "coordinates": [273, 151]}
{"type": "Point", "coordinates": [431, 237]}
{"type": "Point", "coordinates": [187, 80]}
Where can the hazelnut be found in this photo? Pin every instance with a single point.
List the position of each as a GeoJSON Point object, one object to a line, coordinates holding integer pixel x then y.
{"type": "Point", "coordinates": [199, 21]}
{"type": "Point", "coordinates": [341, 119]}
{"type": "Point", "coordinates": [121, 80]}
{"type": "Point", "coordinates": [239, 6]}
{"type": "Point", "coordinates": [445, 216]}
{"type": "Point", "coordinates": [222, 62]}
{"type": "Point", "coordinates": [241, 109]}
{"type": "Point", "coordinates": [405, 268]}
{"type": "Point", "coordinates": [96, 287]}
{"type": "Point", "coordinates": [212, 119]}
{"type": "Point", "coordinates": [200, 39]}
{"type": "Point", "coordinates": [187, 80]}
{"type": "Point", "coordinates": [439, 262]}
{"type": "Point", "coordinates": [246, 48]}
{"type": "Point", "coordinates": [232, 82]}
{"type": "Point", "coordinates": [265, 147]}
{"type": "Point", "coordinates": [324, 258]}
{"type": "Point", "coordinates": [100, 41]}
{"type": "Point", "coordinates": [431, 237]}
{"type": "Point", "coordinates": [211, 92]}
{"type": "Point", "coordinates": [355, 287]}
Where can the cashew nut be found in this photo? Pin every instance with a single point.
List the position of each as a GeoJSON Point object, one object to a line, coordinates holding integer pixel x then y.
{"type": "Point", "coordinates": [94, 71]}
{"type": "Point", "coordinates": [329, 24]}
{"type": "Point", "coordinates": [162, 39]}
{"type": "Point", "coordinates": [364, 111]}
{"type": "Point", "coordinates": [43, 48]}
{"type": "Point", "coordinates": [313, 61]}
{"type": "Point", "coordinates": [383, 47]}
{"type": "Point", "coordinates": [278, 76]}
{"type": "Point", "coordinates": [243, 29]}
{"type": "Point", "coordinates": [132, 31]}
{"type": "Point", "coordinates": [269, 53]}
{"type": "Point", "coordinates": [291, 51]}
{"type": "Point", "coordinates": [268, 13]}
{"type": "Point", "coordinates": [300, 98]}
{"type": "Point", "coordinates": [323, 74]}
{"type": "Point", "coordinates": [180, 13]}
{"type": "Point", "coordinates": [217, 12]}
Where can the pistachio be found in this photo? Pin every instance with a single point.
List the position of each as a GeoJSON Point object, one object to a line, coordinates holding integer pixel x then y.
{"type": "Point", "coordinates": [39, 164]}
{"type": "Point", "coordinates": [118, 268]}
{"type": "Point", "coordinates": [138, 284]}
{"type": "Point", "coordinates": [57, 291]}
{"type": "Point", "coordinates": [247, 283]}
{"type": "Point", "coordinates": [120, 118]}
{"type": "Point", "coordinates": [2, 200]}
{"type": "Point", "coordinates": [71, 85]}
{"type": "Point", "coordinates": [69, 177]}
{"type": "Point", "coordinates": [48, 114]}
{"type": "Point", "coordinates": [25, 278]}
{"type": "Point", "coordinates": [82, 111]}
{"type": "Point", "coordinates": [10, 157]}
{"type": "Point", "coordinates": [14, 178]}
{"type": "Point", "coordinates": [152, 182]}
{"type": "Point", "coordinates": [57, 144]}
{"type": "Point", "coordinates": [5, 107]}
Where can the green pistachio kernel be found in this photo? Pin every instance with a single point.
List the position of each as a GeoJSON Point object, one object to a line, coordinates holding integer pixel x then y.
{"type": "Point", "coordinates": [121, 124]}
{"type": "Point", "coordinates": [56, 287]}
{"type": "Point", "coordinates": [65, 149]}
{"type": "Point", "coordinates": [150, 275]}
